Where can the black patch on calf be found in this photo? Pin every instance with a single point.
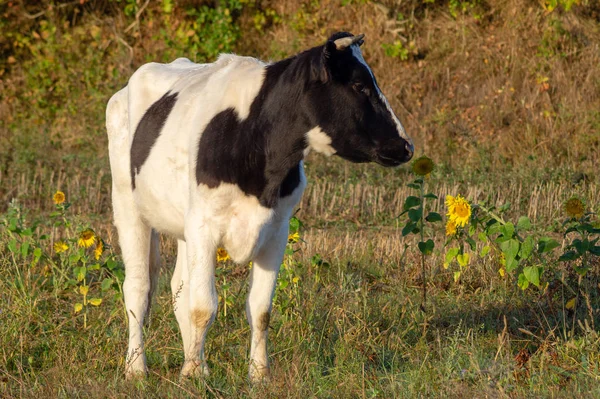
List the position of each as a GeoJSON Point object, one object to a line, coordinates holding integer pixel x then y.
{"type": "Point", "coordinates": [148, 130]}
{"type": "Point", "coordinates": [261, 154]}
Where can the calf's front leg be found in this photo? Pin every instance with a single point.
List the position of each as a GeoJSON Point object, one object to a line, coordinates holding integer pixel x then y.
{"type": "Point", "coordinates": [203, 300]}
{"type": "Point", "coordinates": [263, 278]}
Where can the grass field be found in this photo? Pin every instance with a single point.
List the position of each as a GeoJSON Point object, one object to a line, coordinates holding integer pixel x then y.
{"type": "Point", "coordinates": [503, 97]}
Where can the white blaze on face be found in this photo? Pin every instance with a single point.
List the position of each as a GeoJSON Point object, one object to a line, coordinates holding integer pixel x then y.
{"type": "Point", "coordinates": [319, 141]}
{"type": "Point", "coordinates": [358, 55]}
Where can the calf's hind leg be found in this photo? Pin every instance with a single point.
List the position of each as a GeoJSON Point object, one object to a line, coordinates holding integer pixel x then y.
{"type": "Point", "coordinates": [135, 240]}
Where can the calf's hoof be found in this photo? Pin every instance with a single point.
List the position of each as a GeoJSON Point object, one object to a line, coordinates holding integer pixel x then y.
{"type": "Point", "coordinates": [132, 373]}
{"type": "Point", "coordinates": [194, 368]}
{"type": "Point", "coordinates": [259, 374]}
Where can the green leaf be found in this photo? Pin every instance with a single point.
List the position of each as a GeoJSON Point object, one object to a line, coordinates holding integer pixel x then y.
{"type": "Point", "coordinates": [434, 217]}
{"type": "Point", "coordinates": [415, 186]}
{"type": "Point", "coordinates": [410, 226]}
{"type": "Point", "coordinates": [74, 258]}
{"type": "Point", "coordinates": [25, 249]}
{"type": "Point", "coordinates": [37, 253]}
{"type": "Point", "coordinates": [463, 259]}
{"type": "Point", "coordinates": [510, 248]}
{"type": "Point", "coordinates": [294, 224]}
{"type": "Point", "coordinates": [581, 270]}
{"type": "Point", "coordinates": [415, 214]}
{"type": "Point", "coordinates": [581, 246]}
{"type": "Point", "coordinates": [595, 250]}
{"type": "Point", "coordinates": [411, 201]}
{"type": "Point", "coordinates": [523, 282]}
{"type": "Point", "coordinates": [532, 274]}
{"type": "Point", "coordinates": [451, 254]}
{"type": "Point", "coordinates": [504, 208]}
{"type": "Point", "coordinates": [569, 255]}
{"type": "Point", "coordinates": [526, 248]}
{"type": "Point", "coordinates": [472, 243]}
{"type": "Point", "coordinates": [511, 264]}
{"type": "Point", "coordinates": [482, 237]}
{"type": "Point", "coordinates": [524, 223]}
{"type": "Point", "coordinates": [106, 284]}
{"type": "Point", "coordinates": [493, 228]}
{"type": "Point", "coordinates": [426, 247]}
{"type": "Point", "coordinates": [547, 244]}
{"type": "Point", "coordinates": [484, 251]}
{"type": "Point", "coordinates": [12, 246]}
{"type": "Point", "coordinates": [111, 264]}
{"type": "Point", "coordinates": [430, 195]}
{"type": "Point", "coordinates": [508, 230]}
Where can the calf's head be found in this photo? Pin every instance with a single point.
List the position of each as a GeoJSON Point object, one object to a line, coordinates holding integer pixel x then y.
{"type": "Point", "coordinates": [354, 119]}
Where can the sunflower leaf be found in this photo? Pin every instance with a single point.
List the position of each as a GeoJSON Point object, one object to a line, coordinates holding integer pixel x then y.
{"type": "Point", "coordinates": [426, 247]}
{"type": "Point", "coordinates": [411, 201]}
{"type": "Point", "coordinates": [524, 223]}
{"type": "Point", "coordinates": [433, 217]}
{"type": "Point", "coordinates": [523, 282]}
{"type": "Point", "coordinates": [510, 248]}
{"type": "Point", "coordinates": [547, 244]}
{"type": "Point", "coordinates": [415, 214]}
{"type": "Point", "coordinates": [431, 195]}
{"type": "Point", "coordinates": [410, 226]}
{"type": "Point", "coordinates": [532, 274]}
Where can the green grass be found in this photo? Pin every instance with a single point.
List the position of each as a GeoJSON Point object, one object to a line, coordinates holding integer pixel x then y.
{"type": "Point", "coordinates": [357, 332]}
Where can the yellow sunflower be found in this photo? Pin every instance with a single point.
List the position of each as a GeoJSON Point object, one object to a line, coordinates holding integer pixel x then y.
{"type": "Point", "coordinates": [450, 228]}
{"type": "Point", "coordinates": [87, 238]}
{"type": "Point", "coordinates": [58, 197]}
{"type": "Point", "coordinates": [422, 166]}
{"type": "Point", "coordinates": [99, 249]}
{"type": "Point", "coordinates": [575, 208]}
{"type": "Point", "coordinates": [294, 238]}
{"type": "Point", "coordinates": [222, 255]}
{"type": "Point", "coordinates": [60, 246]}
{"type": "Point", "coordinates": [459, 210]}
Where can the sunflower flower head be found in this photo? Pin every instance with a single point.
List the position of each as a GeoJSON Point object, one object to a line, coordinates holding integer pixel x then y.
{"type": "Point", "coordinates": [422, 166]}
{"type": "Point", "coordinates": [293, 238]}
{"type": "Point", "coordinates": [60, 246]}
{"type": "Point", "coordinates": [574, 208]}
{"type": "Point", "coordinates": [87, 238]}
{"type": "Point", "coordinates": [459, 210]}
{"type": "Point", "coordinates": [222, 255]}
{"type": "Point", "coordinates": [450, 228]}
{"type": "Point", "coordinates": [58, 197]}
{"type": "Point", "coordinates": [99, 249]}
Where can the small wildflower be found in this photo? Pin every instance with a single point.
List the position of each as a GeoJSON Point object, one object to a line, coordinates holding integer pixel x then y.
{"type": "Point", "coordinates": [450, 228]}
{"type": "Point", "coordinates": [87, 238]}
{"type": "Point", "coordinates": [58, 197]}
{"type": "Point", "coordinates": [222, 255]}
{"type": "Point", "coordinates": [294, 238]}
{"type": "Point", "coordinates": [459, 210]}
{"type": "Point", "coordinates": [423, 166]}
{"type": "Point", "coordinates": [99, 249]}
{"type": "Point", "coordinates": [575, 208]}
{"type": "Point", "coordinates": [501, 272]}
{"type": "Point", "coordinates": [60, 246]}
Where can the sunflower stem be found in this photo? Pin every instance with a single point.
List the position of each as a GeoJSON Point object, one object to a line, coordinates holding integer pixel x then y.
{"type": "Point", "coordinates": [423, 276]}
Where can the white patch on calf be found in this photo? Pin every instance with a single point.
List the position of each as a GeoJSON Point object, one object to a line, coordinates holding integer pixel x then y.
{"type": "Point", "coordinates": [319, 141]}
{"type": "Point", "coordinates": [358, 55]}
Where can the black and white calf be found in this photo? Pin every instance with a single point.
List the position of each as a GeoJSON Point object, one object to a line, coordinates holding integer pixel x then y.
{"type": "Point", "coordinates": [212, 155]}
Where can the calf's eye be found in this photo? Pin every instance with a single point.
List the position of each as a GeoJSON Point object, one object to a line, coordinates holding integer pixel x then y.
{"type": "Point", "coordinates": [361, 88]}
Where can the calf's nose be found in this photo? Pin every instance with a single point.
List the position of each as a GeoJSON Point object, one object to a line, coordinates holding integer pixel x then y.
{"type": "Point", "coordinates": [410, 150]}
